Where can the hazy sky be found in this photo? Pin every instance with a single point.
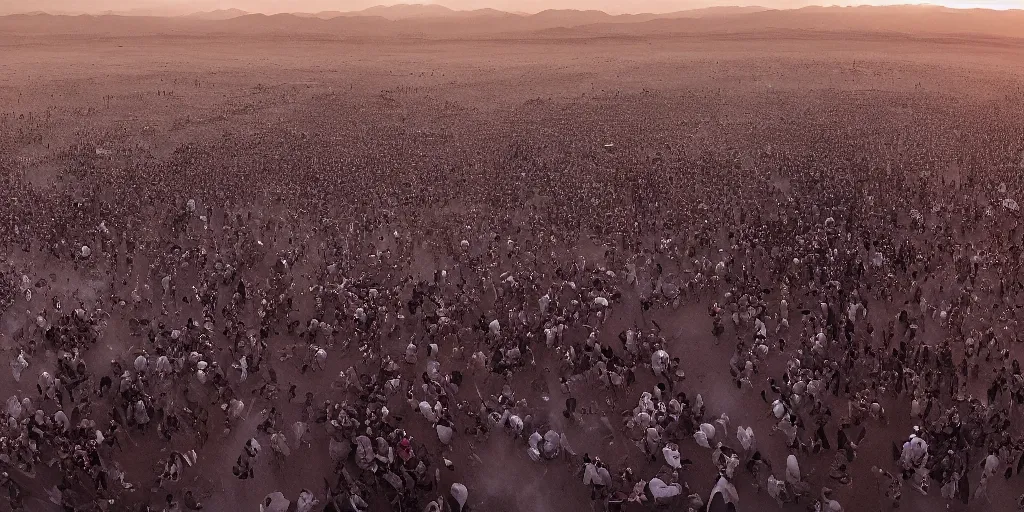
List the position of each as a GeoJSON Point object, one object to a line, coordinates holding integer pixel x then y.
{"type": "Point", "coordinates": [171, 7]}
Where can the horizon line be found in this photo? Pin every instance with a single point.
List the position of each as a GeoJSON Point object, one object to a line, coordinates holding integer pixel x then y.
{"type": "Point", "coordinates": [141, 12]}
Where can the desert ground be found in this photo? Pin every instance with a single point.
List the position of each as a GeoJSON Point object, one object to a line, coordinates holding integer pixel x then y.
{"type": "Point", "coordinates": [449, 140]}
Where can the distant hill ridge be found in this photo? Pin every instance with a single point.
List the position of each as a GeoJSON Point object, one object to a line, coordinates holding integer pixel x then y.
{"type": "Point", "coordinates": [443, 22]}
{"type": "Point", "coordinates": [426, 11]}
{"type": "Point", "coordinates": [219, 14]}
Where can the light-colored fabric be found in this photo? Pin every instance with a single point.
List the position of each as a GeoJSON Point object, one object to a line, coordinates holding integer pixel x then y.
{"type": "Point", "coordinates": [746, 437]}
{"type": "Point", "coordinates": [792, 470]}
{"type": "Point", "coordinates": [701, 439]}
{"type": "Point", "coordinates": [445, 433]}
{"type": "Point", "coordinates": [460, 493]}
{"type": "Point", "coordinates": [662, 490]}
{"type": "Point", "coordinates": [672, 457]}
{"type": "Point", "coordinates": [306, 502]}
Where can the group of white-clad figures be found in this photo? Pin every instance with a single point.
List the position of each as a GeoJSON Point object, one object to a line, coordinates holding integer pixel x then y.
{"type": "Point", "coordinates": [455, 501]}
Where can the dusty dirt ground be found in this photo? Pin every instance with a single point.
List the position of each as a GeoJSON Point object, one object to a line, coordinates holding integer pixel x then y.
{"type": "Point", "coordinates": [141, 99]}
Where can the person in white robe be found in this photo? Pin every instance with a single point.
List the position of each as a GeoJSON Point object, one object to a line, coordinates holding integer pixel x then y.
{"type": "Point", "coordinates": [990, 465]}
{"type": "Point", "coordinates": [533, 451]}
{"type": "Point", "coordinates": [914, 454]}
{"type": "Point", "coordinates": [652, 442]}
{"type": "Point", "coordinates": [827, 503]}
{"type": "Point", "coordinates": [163, 366]}
{"type": "Point", "coordinates": [141, 363]}
{"type": "Point", "coordinates": [62, 419]}
{"type": "Point", "coordinates": [659, 362]}
{"type": "Point", "coordinates": [672, 456]}
{"type": "Point", "coordinates": [793, 476]}
{"type": "Point", "coordinates": [279, 443]}
{"type": "Point", "coordinates": [14, 408]}
{"type": "Point", "coordinates": [776, 489]}
{"type": "Point", "coordinates": [745, 435]}
{"type": "Point", "coordinates": [141, 415]}
{"type": "Point", "coordinates": [789, 429]}
{"type": "Point", "coordinates": [18, 365]}
{"type": "Point", "coordinates": [300, 434]}
{"type": "Point", "coordinates": [306, 501]}
{"type": "Point", "coordinates": [319, 358]}
{"type": "Point", "coordinates": [428, 412]}
{"type": "Point", "coordinates": [444, 432]}
{"type": "Point", "coordinates": [664, 491]}
{"type": "Point", "coordinates": [46, 385]}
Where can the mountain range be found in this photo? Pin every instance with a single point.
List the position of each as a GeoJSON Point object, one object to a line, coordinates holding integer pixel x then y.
{"type": "Point", "coordinates": [439, 21]}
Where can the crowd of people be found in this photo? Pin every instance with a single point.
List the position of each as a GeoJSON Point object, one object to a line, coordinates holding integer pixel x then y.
{"type": "Point", "coordinates": [867, 287]}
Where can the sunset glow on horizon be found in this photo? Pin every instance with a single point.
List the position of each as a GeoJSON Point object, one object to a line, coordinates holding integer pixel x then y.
{"type": "Point", "coordinates": [963, 4]}
{"type": "Point", "coordinates": [174, 7]}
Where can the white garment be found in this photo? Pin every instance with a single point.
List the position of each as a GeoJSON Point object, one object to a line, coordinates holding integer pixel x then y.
{"type": "Point", "coordinates": [915, 453]}
{"type": "Point", "coordinates": [141, 415]}
{"type": "Point", "coordinates": [789, 430]}
{"type": "Point", "coordinates": [60, 417]}
{"type": "Point", "coordinates": [46, 383]}
{"type": "Point", "coordinates": [279, 444]}
{"type": "Point", "coordinates": [549, 337]}
{"type": "Point", "coordinates": [552, 444]}
{"type": "Point", "coordinates": [730, 465]}
{"type": "Point", "coordinates": [702, 439]}
{"type": "Point", "coordinates": [708, 430]}
{"type": "Point", "coordinates": [533, 453]}
{"type": "Point", "coordinates": [444, 434]}
{"type": "Point", "coordinates": [991, 465]}
{"type": "Point", "coordinates": [243, 365]}
{"type": "Point", "coordinates": [428, 412]}
{"type": "Point", "coordinates": [235, 408]}
{"type": "Point", "coordinates": [746, 437]}
{"type": "Point", "coordinates": [652, 439]}
{"type": "Point", "coordinates": [792, 470]}
{"type": "Point", "coordinates": [775, 487]}
{"type": "Point", "coordinates": [672, 457]}
{"type": "Point", "coordinates": [163, 365]}
{"type": "Point", "coordinates": [299, 430]}
{"type": "Point", "coordinates": [643, 420]}
{"type": "Point", "coordinates": [534, 440]}
{"type": "Point", "coordinates": [516, 424]}
{"type": "Point", "coordinates": [832, 506]}
{"type": "Point", "coordinates": [659, 361]}
{"type": "Point", "coordinates": [661, 490]}
{"type": "Point", "coordinates": [14, 408]}
{"type": "Point", "coordinates": [460, 493]}
{"type": "Point", "coordinates": [306, 502]}
{"type": "Point", "coordinates": [722, 424]}
{"type": "Point", "coordinates": [18, 365]}
{"type": "Point", "coordinates": [274, 502]}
